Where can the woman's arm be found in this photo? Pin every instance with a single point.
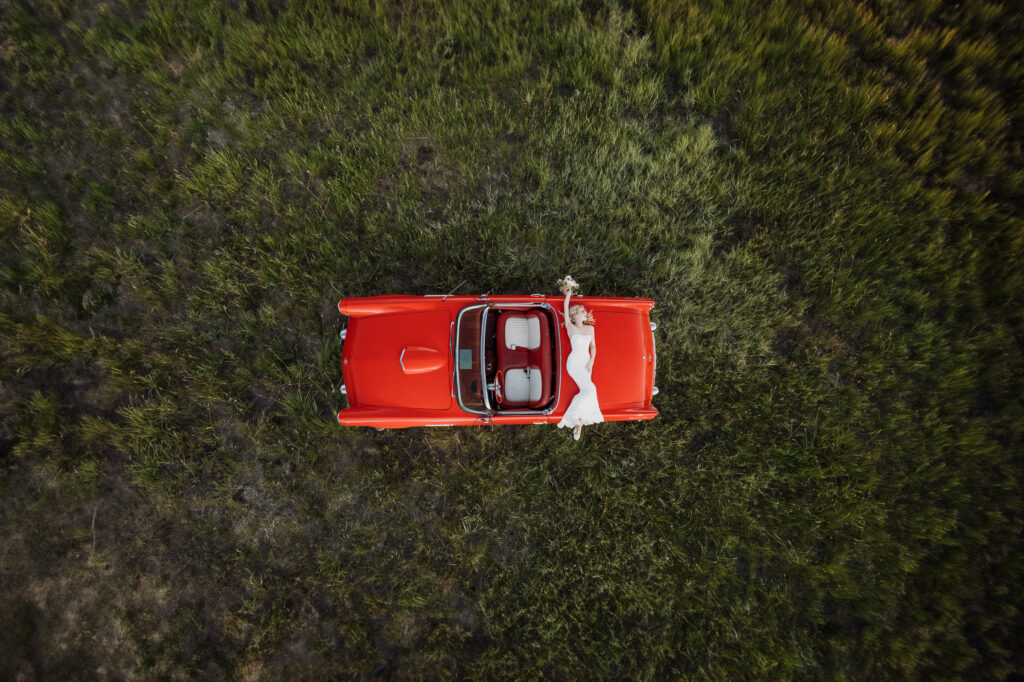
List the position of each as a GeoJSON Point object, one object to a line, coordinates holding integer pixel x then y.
{"type": "Point", "coordinates": [569, 326]}
{"type": "Point", "coordinates": [593, 355]}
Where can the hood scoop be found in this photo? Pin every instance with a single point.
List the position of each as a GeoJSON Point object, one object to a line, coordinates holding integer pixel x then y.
{"type": "Point", "coordinates": [418, 360]}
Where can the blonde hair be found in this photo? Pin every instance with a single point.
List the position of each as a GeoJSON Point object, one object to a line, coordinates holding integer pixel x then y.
{"type": "Point", "coordinates": [574, 314]}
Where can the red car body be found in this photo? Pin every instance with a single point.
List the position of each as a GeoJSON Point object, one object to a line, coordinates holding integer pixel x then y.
{"type": "Point", "coordinates": [463, 360]}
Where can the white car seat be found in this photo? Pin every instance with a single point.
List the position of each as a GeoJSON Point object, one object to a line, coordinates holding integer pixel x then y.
{"type": "Point", "coordinates": [523, 385]}
{"type": "Point", "coordinates": [522, 332]}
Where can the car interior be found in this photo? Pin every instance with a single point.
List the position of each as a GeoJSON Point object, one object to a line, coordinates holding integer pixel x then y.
{"type": "Point", "coordinates": [520, 356]}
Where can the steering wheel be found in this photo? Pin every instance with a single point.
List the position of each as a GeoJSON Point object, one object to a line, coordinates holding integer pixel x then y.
{"type": "Point", "coordinates": [498, 379]}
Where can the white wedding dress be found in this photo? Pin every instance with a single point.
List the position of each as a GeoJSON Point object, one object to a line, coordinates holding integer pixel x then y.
{"type": "Point", "coordinates": [584, 408]}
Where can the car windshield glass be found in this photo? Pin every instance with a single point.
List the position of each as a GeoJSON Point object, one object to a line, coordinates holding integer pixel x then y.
{"type": "Point", "coordinates": [469, 378]}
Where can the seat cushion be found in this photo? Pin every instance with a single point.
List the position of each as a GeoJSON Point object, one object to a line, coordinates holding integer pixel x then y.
{"type": "Point", "coordinates": [522, 331]}
{"type": "Point", "coordinates": [523, 386]}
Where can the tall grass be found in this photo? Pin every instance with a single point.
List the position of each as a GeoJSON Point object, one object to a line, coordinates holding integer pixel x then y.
{"type": "Point", "coordinates": [821, 198]}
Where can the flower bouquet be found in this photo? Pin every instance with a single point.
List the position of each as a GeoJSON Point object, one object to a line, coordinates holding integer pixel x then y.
{"type": "Point", "coordinates": [567, 285]}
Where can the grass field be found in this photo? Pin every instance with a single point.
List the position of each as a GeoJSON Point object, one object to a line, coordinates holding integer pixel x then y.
{"type": "Point", "coordinates": [822, 196]}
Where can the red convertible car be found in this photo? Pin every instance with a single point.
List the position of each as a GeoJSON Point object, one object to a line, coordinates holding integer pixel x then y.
{"type": "Point", "coordinates": [462, 360]}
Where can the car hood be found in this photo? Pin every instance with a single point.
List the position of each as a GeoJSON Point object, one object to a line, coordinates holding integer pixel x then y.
{"type": "Point", "coordinates": [399, 360]}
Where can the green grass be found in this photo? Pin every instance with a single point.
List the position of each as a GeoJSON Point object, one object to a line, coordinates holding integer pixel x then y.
{"type": "Point", "coordinates": [823, 198]}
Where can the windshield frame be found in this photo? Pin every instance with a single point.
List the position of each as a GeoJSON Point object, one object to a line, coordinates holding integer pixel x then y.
{"type": "Point", "coordinates": [480, 351]}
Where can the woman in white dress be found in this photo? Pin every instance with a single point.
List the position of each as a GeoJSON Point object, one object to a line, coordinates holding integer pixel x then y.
{"type": "Point", "coordinates": [579, 322]}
